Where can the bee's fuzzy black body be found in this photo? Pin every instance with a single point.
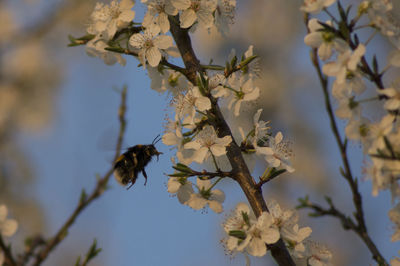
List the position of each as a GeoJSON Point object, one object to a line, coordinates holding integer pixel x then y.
{"type": "Point", "coordinates": [132, 162]}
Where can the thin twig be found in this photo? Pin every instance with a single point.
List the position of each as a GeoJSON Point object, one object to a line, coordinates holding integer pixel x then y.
{"type": "Point", "coordinates": [347, 174]}
{"type": "Point", "coordinates": [86, 200]}
{"type": "Point", "coordinates": [35, 242]}
{"type": "Point", "coordinates": [348, 224]}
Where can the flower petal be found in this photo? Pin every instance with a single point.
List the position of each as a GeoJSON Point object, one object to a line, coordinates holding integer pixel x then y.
{"type": "Point", "coordinates": [163, 41]}
{"type": "Point", "coordinates": [153, 56]}
{"type": "Point", "coordinates": [187, 18]}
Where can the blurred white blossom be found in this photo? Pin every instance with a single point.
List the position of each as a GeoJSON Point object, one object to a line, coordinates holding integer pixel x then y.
{"type": "Point", "coordinates": [346, 61]}
{"type": "Point", "coordinates": [225, 15]}
{"type": "Point", "coordinates": [326, 42]}
{"type": "Point", "coordinates": [8, 227]}
{"type": "Point", "coordinates": [96, 48]}
{"type": "Point", "coordinates": [315, 6]}
{"type": "Point", "coordinates": [181, 187]}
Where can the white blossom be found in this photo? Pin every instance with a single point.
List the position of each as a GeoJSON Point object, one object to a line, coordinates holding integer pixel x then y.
{"type": "Point", "coordinates": [206, 143]}
{"type": "Point", "coordinates": [150, 45]}
{"type": "Point", "coordinates": [157, 13]}
{"type": "Point", "coordinates": [277, 153]}
{"type": "Point", "coordinates": [348, 108]}
{"type": "Point", "coordinates": [317, 254]}
{"type": "Point", "coordinates": [181, 187]}
{"type": "Point", "coordinates": [284, 220]}
{"type": "Point", "coordinates": [189, 105]}
{"type": "Point", "coordinates": [241, 219]}
{"type": "Point", "coordinates": [206, 196]}
{"type": "Point", "coordinates": [260, 129]}
{"type": "Point", "coordinates": [294, 237]}
{"type": "Point", "coordinates": [377, 132]}
{"type": "Point", "coordinates": [326, 42]}
{"type": "Point", "coordinates": [196, 10]}
{"type": "Point", "coordinates": [225, 15]}
{"type": "Point", "coordinates": [358, 129]}
{"type": "Point", "coordinates": [107, 19]}
{"type": "Point", "coordinates": [242, 91]}
{"type": "Point", "coordinates": [249, 234]}
{"type": "Point", "coordinates": [173, 135]}
{"type": "Point", "coordinates": [262, 233]}
{"type": "Point", "coordinates": [383, 17]}
{"type": "Point", "coordinates": [393, 95]}
{"type": "Point", "coordinates": [315, 6]}
{"type": "Point", "coordinates": [346, 61]}
{"type": "Point", "coordinates": [353, 85]}
{"type": "Point", "coordinates": [166, 80]}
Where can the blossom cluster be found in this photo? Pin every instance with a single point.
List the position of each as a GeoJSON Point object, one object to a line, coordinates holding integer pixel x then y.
{"type": "Point", "coordinates": [191, 128]}
{"type": "Point", "coordinates": [248, 234]}
{"type": "Point", "coordinates": [112, 30]}
{"type": "Point", "coordinates": [380, 139]}
{"type": "Point", "coordinates": [196, 140]}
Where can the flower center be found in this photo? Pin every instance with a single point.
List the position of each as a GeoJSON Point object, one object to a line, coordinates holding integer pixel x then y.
{"type": "Point", "coordinates": [363, 129]}
{"type": "Point", "coordinates": [328, 36]}
{"type": "Point", "coordinates": [148, 44]}
{"type": "Point", "coordinates": [195, 5]}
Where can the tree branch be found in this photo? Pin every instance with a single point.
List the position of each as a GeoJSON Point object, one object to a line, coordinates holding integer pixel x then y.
{"type": "Point", "coordinates": [348, 224]}
{"type": "Point", "coordinates": [240, 170]}
{"type": "Point", "coordinates": [84, 199]}
{"type": "Point", "coordinates": [347, 174]}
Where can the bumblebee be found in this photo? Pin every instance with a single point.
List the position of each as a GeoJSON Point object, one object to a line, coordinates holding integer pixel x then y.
{"type": "Point", "coordinates": [133, 161]}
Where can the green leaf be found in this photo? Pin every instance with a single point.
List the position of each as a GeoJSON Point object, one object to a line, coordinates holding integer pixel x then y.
{"type": "Point", "coordinates": [71, 38]}
{"type": "Point", "coordinates": [80, 41]}
{"type": "Point", "coordinates": [303, 202]}
{"type": "Point", "coordinates": [275, 173]}
{"type": "Point", "coordinates": [327, 27]}
{"type": "Point", "coordinates": [78, 261]}
{"type": "Point", "coordinates": [233, 62]}
{"type": "Point", "coordinates": [178, 175]}
{"type": "Point", "coordinates": [348, 11]}
{"type": "Point", "coordinates": [247, 61]}
{"type": "Point", "coordinates": [93, 251]}
{"type": "Point", "coordinates": [342, 13]}
{"type": "Point", "coordinates": [182, 168]}
{"type": "Point", "coordinates": [115, 49]}
{"type": "Point", "coordinates": [238, 234]}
